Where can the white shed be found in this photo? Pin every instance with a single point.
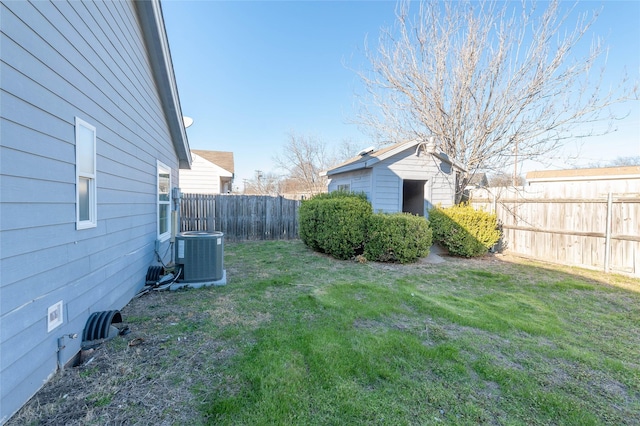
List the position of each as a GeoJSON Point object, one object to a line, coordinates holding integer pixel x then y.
{"type": "Point", "coordinates": [407, 177]}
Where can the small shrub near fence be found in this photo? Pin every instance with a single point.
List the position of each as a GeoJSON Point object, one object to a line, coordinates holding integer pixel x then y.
{"type": "Point", "coordinates": [463, 230]}
{"type": "Point", "coordinates": [240, 217]}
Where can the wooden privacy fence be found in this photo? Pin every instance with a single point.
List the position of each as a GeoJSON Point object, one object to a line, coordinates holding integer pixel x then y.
{"type": "Point", "coordinates": [240, 217]}
{"type": "Point", "coordinates": [597, 232]}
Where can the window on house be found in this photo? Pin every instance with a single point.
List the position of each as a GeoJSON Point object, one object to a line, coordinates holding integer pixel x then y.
{"type": "Point", "coordinates": [86, 203]}
{"type": "Point", "coordinates": [344, 187]}
{"type": "Point", "coordinates": [164, 201]}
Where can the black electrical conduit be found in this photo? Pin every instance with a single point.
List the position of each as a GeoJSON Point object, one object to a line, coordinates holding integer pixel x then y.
{"type": "Point", "coordinates": [154, 273]}
{"type": "Point", "coordinates": [98, 326]}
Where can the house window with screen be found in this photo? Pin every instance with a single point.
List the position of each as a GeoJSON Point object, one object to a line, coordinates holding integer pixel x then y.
{"type": "Point", "coordinates": [344, 187]}
{"type": "Point", "coordinates": [86, 203]}
{"type": "Point", "coordinates": [164, 201]}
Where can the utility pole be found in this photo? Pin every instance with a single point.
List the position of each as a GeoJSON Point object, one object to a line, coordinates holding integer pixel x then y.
{"type": "Point", "coordinates": [259, 182]}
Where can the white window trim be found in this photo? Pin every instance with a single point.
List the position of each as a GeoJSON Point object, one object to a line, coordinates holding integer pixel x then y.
{"type": "Point", "coordinates": [161, 167]}
{"type": "Point", "coordinates": [93, 199]}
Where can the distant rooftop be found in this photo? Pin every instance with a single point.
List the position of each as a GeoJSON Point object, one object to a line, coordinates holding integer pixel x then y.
{"type": "Point", "coordinates": [222, 159]}
{"type": "Point", "coordinates": [582, 174]}
{"type": "Point", "coordinates": [479, 179]}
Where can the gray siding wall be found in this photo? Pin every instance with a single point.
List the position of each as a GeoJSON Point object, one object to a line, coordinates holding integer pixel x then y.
{"type": "Point", "coordinates": [387, 189]}
{"type": "Point", "coordinates": [359, 181]}
{"type": "Point", "coordinates": [60, 61]}
{"type": "Point", "coordinates": [443, 189]}
{"type": "Point", "coordinates": [440, 177]}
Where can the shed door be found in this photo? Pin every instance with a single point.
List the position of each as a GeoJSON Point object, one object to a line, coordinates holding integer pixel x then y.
{"type": "Point", "coordinates": [413, 196]}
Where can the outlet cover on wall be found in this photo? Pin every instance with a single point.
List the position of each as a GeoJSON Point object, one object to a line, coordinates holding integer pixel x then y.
{"type": "Point", "coordinates": [54, 316]}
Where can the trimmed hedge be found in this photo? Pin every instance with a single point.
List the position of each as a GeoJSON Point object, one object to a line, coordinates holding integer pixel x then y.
{"type": "Point", "coordinates": [399, 237]}
{"type": "Point", "coordinates": [335, 223]}
{"type": "Point", "coordinates": [463, 230]}
{"type": "Point", "coordinates": [343, 225]}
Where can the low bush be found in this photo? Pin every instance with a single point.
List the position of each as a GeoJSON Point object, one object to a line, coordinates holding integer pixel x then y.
{"type": "Point", "coordinates": [463, 230]}
{"type": "Point", "coordinates": [335, 223]}
{"type": "Point", "coordinates": [399, 237]}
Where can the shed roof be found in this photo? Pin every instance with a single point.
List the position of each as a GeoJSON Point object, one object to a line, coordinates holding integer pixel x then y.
{"type": "Point", "coordinates": [600, 173]}
{"type": "Point", "coordinates": [370, 159]}
{"type": "Point", "coordinates": [223, 159]}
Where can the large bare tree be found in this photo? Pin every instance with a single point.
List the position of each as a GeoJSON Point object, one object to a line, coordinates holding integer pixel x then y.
{"type": "Point", "coordinates": [303, 158]}
{"type": "Point", "coordinates": [263, 183]}
{"type": "Point", "coordinates": [490, 80]}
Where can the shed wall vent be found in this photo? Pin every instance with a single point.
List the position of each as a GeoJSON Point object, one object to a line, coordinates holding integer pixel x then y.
{"type": "Point", "coordinates": [366, 151]}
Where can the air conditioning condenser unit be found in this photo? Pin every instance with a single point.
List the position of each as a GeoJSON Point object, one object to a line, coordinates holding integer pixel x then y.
{"type": "Point", "coordinates": [200, 255]}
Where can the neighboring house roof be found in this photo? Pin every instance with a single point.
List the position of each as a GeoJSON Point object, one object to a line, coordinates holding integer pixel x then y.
{"type": "Point", "coordinates": [584, 174]}
{"type": "Point", "coordinates": [152, 23]}
{"type": "Point", "coordinates": [370, 159]}
{"type": "Point", "coordinates": [221, 159]}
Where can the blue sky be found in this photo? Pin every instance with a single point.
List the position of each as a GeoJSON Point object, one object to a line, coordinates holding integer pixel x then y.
{"type": "Point", "coordinates": [249, 73]}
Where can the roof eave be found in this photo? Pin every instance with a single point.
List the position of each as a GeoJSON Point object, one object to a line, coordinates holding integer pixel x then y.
{"type": "Point", "coordinates": [378, 156]}
{"type": "Point", "coordinates": [155, 36]}
{"type": "Point", "coordinates": [444, 157]}
{"type": "Point", "coordinates": [366, 164]}
{"type": "Point", "coordinates": [602, 173]}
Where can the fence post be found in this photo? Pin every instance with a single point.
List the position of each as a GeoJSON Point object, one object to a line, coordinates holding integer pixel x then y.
{"type": "Point", "coordinates": [211, 213]}
{"type": "Point", "coordinates": [495, 203]}
{"type": "Point", "coordinates": [607, 238]}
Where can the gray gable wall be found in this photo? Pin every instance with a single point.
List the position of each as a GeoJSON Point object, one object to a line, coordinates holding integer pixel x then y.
{"type": "Point", "coordinates": [62, 60]}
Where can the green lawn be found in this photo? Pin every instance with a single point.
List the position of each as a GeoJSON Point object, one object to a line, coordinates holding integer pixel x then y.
{"type": "Point", "coordinates": [312, 340]}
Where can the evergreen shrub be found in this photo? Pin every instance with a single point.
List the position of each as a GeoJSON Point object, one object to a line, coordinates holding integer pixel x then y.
{"type": "Point", "coordinates": [335, 223]}
{"type": "Point", "coordinates": [399, 237]}
{"type": "Point", "coordinates": [463, 230]}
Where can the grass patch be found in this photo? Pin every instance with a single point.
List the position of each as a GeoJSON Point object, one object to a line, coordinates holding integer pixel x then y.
{"type": "Point", "coordinates": [100, 400]}
{"type": "Point", "coordinates": [457, 343]}
{"type": "Point", "coordinates": [88, 372]}
{"type": "Point", "coordinates": [299, 338]}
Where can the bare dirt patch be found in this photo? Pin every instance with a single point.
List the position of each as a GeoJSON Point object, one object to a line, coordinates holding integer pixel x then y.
{"type": "Point", "coordinates": [145, 377]}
